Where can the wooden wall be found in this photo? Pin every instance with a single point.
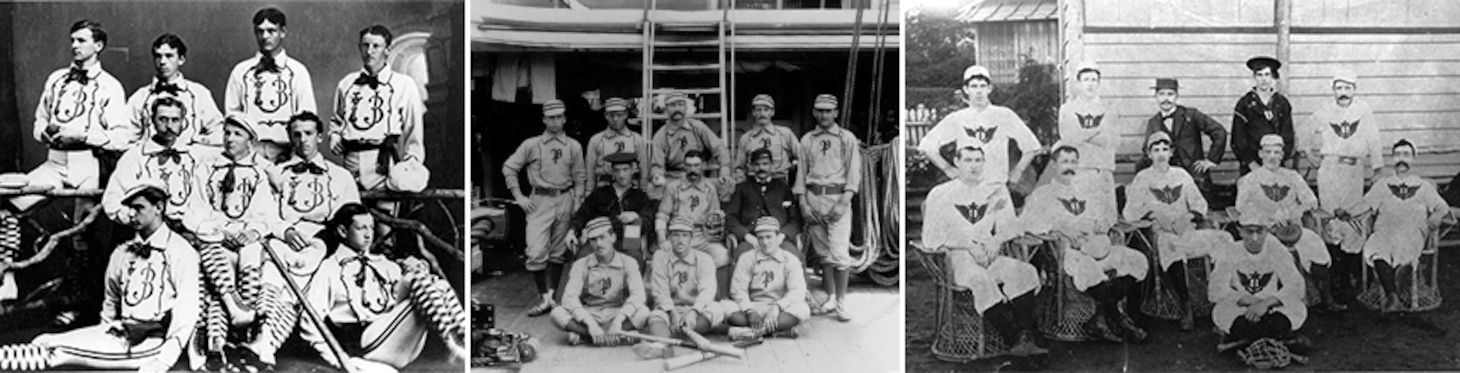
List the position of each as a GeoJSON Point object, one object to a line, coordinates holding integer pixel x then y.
{"type": "Point", "coordinates": [1001, 46]}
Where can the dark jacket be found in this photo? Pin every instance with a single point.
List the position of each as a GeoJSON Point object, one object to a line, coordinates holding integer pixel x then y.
{"type": "Point", "coordinates": [604, 202]}
{"type": "Point", "coordinates": [1249, 124]}
{"type": "Point", "coordinates": [1187, 126]}
{"type": "Point", "coordinates": [750, 201]}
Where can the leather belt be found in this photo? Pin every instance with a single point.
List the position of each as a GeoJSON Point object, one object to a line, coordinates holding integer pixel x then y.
{"type": "Point", "coordinates": [826, 189]}
{"type": "Point", "coordinates": [550, 191]}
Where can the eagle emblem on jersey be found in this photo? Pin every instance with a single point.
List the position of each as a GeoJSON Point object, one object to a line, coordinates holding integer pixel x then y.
{"type": "Point", "coordinates": [271, 89]}
{"type": "Point", "coordinates": [1275, 192]}
{"type": "Point", "coordinates": [306, 193]}
{"type": "Point", "coordinates": [142, 281]}
{"type": "Point", "coordinates": [983, 134]}
{"type": "Point", "coordinates": [368, 105]}
{"type": "Point", "coordinates": [1090, 121]}
{"type": "Point", "coordinates": [1168, 194]}
{"type": "Point", "coordinates": [1403, 191]}
{"type": "Point", "coordinates": [71, 101]}
{"type": "Point", "coordinates": [973, 212]}
{"type": "Point", "coordinates": [1073, 205]}
{"type": "Point", "coordinates": [1254, 282]}
{"type": "Point", "coordinates": [1345, 129]}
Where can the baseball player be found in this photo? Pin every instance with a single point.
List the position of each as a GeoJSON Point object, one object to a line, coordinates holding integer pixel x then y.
{"type": "Point", "coordinates": [1260, 112]}
{"type": "Point", "coordinates": [992, 125]}
{"type": "Point", "coordinates": [682, 283]}
{"type": "Point", "coordinates": [697, 201]}
{"type": "Point", "coordinates": [769, 288]}
{"type": "Point", "coordinates": [970, 219]}
{"type": "Point", "coordinates": [1082, 125]}
{"type": "Point", "coordinates": [1408, 208]}
{"type": "Point", "coordinates": [1101, 269]}
{"type": "Point", "coordinates": [557, 177]}
{"type": "Point", "coordinates": [1170, 198]}
{"type": "Point", "coordinates": [151, 303]}
{"type": "Point", "coordinates": [380, 310]}
{"type": "Point", "coordinates": [1279, 197]}
{"type": "Point", "coordinates": [1343, 136]}
{"type": "Point", "coordinates": [1185, 125]}
{"type": "Point", "coordinates": [605, 292]}
{"type": "Point", "coordinates": [269, 87]}
{"type": "Point", "coordinates": [829, 176]}
{"type": "Point", "coordinates": [622, 202]}
{"type": "Point", "coordinates": [617, 138]}
{"type": "Point", "coordinates": [1257, 292]}
{"type": "Point", "coordinates": [779, 140]}
{"type": "Point", "coordinates": [678, 137]}
{"type": "Point", "coordinates": [202, 122]}
{"type": "Point", "coordinates": [163, 156]}
{"type": "Point", "coordinates": [763, 195]}
{"type": "Point", "coordinates": [377, 122]}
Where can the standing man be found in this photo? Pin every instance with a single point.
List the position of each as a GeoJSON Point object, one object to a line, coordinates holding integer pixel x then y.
{"type": "Point", "coordinates": [1185, 125]}
{"type": "Point", "coordinates": [828, 177]}
{"type": "Point", "coordinates": [779, 141]}
{"type": "Point", "coordinates": [622, 202]}
{"type": "Point", "coordinates": [992, 125]}
{"type": "Point", "coordinates": [1408, 209]}
{"type": "Point", "coordinates": [763, 195]}
{"type": "Point", "coordinates": [1279, 197]}
{"type": "Point", "coordinates": [1082, 125]}
{"type": "Point", "coordinates": [679, 136]}
{"type": "Point", "coordinates": [1343, 136]}
{"type": "Point", "coordinates": [1260, 112]}
{"type": "Point", "coordinates": [270, 87]}
{"type": "Point", "coordinates": [377, 122]}
{"type": "Point", "coordinates": [202, 123]}
{"type": "Point", "coordinates": [557, 177]}
{"type": "Point", "coordinates": [617, 138]}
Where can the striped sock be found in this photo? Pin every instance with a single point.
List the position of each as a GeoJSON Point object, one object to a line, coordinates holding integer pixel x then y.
{"type": "Point", "coordinates": [215, 323]}
{"type": "Point", "coordinates": [280, 317]}
{"type": "Point", "coordinates": [435, 301]}
{"type": "Point", "coordinates": [218, 268]}
{"type": "Point", "coordinates": [24, 357]}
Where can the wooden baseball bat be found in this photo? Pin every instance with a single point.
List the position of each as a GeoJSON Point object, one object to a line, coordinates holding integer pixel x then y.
{"type": "Point", "coordinates": [685, 360]}
{"type": "Point", "coordinates": [700, 340]}
{"type": "Point", "coordinates": [309, 312]}
{"type": "Point", "coordinates": [675, 342]}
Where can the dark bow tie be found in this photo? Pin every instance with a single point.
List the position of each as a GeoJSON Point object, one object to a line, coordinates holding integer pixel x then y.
{"type": "Point", "coordinates": [230, 180]}
{"type": "Point", "coordinates": [267, 63]}
{"type": "Point", "coordinates": [166, 87]}
{"type": "Point", "coordinates": [368, 80]}
{"type": "Point", "coordinates": [306, 166]}
{"type": "Point", "coordinates": [78, 75]}
{"type": "Point", "coordinates": [168, 154]}
{"type": "Point", "coordinates": [142, 249]}
{"type": "Point", "coordinates": [365, 263]}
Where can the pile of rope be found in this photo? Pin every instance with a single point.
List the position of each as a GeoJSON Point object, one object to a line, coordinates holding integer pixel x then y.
{"type": "Point", "coordinates": [879, 210]}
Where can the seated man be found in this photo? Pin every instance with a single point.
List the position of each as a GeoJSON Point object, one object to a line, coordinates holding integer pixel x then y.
{"type": "Point", "coordinates": [151, 304]}
{"type": "Point", "coordinates": [605, 292]}
{"type": "Point", "coordinates": [971, 218]}
{"type": "Point", "coordinates": [682, 283]}
{"type": "Point", "coordinates": [377, 308]}
{"type": "Point", "coordinates": [1169, 197]}
{"type": "Point", "coordinates": [1279, 197]}
{"type": "Point", "coordinates": [696, 200]}
{"type": "Point", "coordinates": [1101, 269]}
{"type": "Point", "coordinates": [1257, 292]}
{"type": "Point", "coordinates": [1408, 208]}
{"type": "Point", "coordinates": [769, 288]}
{"type": "Point", "coordinates": [763, 195]}
{"type": "Point", "coordinates": [620, 201]}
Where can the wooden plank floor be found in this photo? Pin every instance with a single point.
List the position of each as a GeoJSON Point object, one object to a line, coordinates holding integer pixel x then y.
{"type": "Point", "coordinates": [871, 342]}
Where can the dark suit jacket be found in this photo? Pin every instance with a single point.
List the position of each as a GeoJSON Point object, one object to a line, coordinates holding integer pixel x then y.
{"type": "Point", "coordinates": [604, 202]}
{"type": "Point", "coordinates": [1187, 126]}
{"type": "Point", "coordinates": [748, 203]}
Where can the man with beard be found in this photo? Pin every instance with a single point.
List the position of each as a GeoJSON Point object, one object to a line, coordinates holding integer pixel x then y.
{"type": "Point", "coordinates": [695, 200]}
{"type": "Point", "coordinates": [762, 196]}
{"type": "Point", "coordinates": [992, 125]}
{"type": "Point", "coordinates": [617, 138]}
{"type": "Point", "coordinates": [971, 219]}
{"type": "Point", "coordinates": [1185, 125]}
{"type": "Point", "coordinates": [1344, 135]}
{"type": "Point", "coordinates": [1077, 214]}
{"type": "Point", "coordinates": [1256, 292]}
{"type": "Point", "coordinates": [769, 288]}
{"type": "Point", "coordinates": [1169, 198]}
{"type": "Point", "coordinates": [557, 177]}
{"type": "Point", "coordinates": [829, 176]}
{"type": "Point", "coordinates": [778, 140]}
{"type": "Point", "coordinates": [605, 293]}
{"type": "Point", "coordinates": [1260, 112]}
{"type": "Point", "coordinates": [682, 285]}
{"type": "Point", "coordinates": [270, 87]}
{"type": "Point", "coordinates": [202, 123]}
{"type": "Point", "coordinates": [1408, 210]}
{"type": "Point", "coordinates": [1082, 125]}
{"type": "Point", "coordinates": [678, 137]}
{"type": "Point", "coordinates": [1278, 198]}
{"type": "Point", "coordinates": [378, 120]}
{"type": "Point", "coordinates": [627, 205]}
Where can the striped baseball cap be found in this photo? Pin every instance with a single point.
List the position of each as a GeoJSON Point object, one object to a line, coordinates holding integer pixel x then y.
{"type": "Point", "coordinates": [673, 96]}
{"type": "Point", "coordinates": [142, 185]}
{"type": "Point", "coordinates": [767, 223]}
{"type": "Point", "coordinates": [597, 227]}
{"type": "Point", "coordinates": [681, 225]}
{"type": "Point", "coordinates": [553, 107]}
{"type": "Point", "coordinates": [615, 104]}
{"type": "Point", "coordinates": [825, 102]}
{"type": "Point", "coordinates": [765, 100]}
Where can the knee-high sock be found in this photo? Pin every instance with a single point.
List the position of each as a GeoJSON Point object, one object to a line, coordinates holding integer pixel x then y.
{"type": "Point", "coordinates": [9, 236]}
{"type": "Point", "coordinates": [281, 315]}
{"type": "Point", "coordinates": [828, 280]}
{"type": "Point", "coordinates": [218, 269]}
{"type": "Point", "coordinates": [1386, 276]}
{"type": "Point", "coordinates": [1321, 278]}
{"type": "Point", "coordinates": [842, 276]}
{"type": "Point", "coordinates": [539, 278]}
{"type": "Point", "coordinates": [251, 285]}
{"type": "Point", "coordinates": [1176, 274]}
{"type": "Point", "coordinates": [435, 301]}
{"type": "Point", "coordinates": [554, 274]}
{"type": "Point", "coordinates": [1024, 311]}
{"type": "Point", "coordinates": [25, 356]}
{"type": "Point", "coordinates": [1001, 316]}
{"type": "Point", "coordinates": [215, 323]}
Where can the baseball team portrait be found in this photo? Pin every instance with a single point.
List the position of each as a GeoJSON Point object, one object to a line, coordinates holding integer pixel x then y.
{"type": "Point", "coordinates": [698, 186]}
{"type": "Point", "coordinates": [232, 186]}
{"type": "Point", "coordinates": [1159, 185]}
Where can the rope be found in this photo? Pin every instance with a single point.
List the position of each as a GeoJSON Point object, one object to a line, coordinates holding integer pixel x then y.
{"type": "Point", "coordinates": [879, 200]}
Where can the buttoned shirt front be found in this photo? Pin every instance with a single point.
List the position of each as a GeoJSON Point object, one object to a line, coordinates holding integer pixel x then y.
{"type": "Point", "coordinates": [1170, 197]}
{"type": "Point", "coordinates": [151, 279]}
{"type": "Point", "coordinates": [830, 156]}
{"type": "Point", "coordinates": [673, 141]}
{"type": "Point", "coordinates": [611, 141]}
{"type": "Point", "coordinates": [682, 281]}
{"type": "Point", "coordinates": [310, 192]}
{"type": "Point", "coordinates": [689, 200]}
{"type": "Point", "coordinates": [595, 283]}
{"type": "Point", "coordinates": [239, 197]}
{"type": "Point", "coordinates": [768, 278]}
{"type": "Point", "coordinates": [780, 141]}
{"type": "Point", "coordinates": [389, 105]}
{"type": "Point", "coordinates": [551, 161]}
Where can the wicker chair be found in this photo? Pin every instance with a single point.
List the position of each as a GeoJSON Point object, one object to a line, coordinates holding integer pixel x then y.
{"type": "Point", "coordinates": [1420, 291]}
{"type": "Point", "coordinates": [962, 335]}
{"type": "Point", "coordinates": [1159, 300]}
{"type": "Point", "coordinates": [1062, 309]}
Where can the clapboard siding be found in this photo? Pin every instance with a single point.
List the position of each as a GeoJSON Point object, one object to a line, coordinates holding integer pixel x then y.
{"type": "Point", "coordinates": [1154, 13]}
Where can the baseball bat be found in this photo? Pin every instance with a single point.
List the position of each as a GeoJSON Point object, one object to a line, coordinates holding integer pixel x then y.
{"type": "Point", "coordinates": [687, 360]}
{"type": "Point", "coordinates": [700, 340]}
{"type": "Point", "coordinates": [675, 342]}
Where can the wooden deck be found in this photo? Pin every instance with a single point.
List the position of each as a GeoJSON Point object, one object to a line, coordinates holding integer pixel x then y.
{"type": "Point", "coordinates": [871, 342]}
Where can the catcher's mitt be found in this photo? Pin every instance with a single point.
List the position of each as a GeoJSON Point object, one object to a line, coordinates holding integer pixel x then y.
{"type": "Point", "coordinates": [1268, 353]}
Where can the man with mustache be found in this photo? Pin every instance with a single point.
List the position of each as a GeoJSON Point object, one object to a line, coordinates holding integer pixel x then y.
{"type": "Point", "coordinates": [695, 200]}
{"type": "Point", "coordinates": [557, 177]}
{"type": "Point", "coordinates": [617, 138]}
{"type": "Point", "coordinates": [1083, 125]}
{"type": "Point", "coordinates": [1078, 215]}
{"type": "Point", "coordinates": [377, 123]}
{"type": "Point", "coordinates": [1260, 112]}
{"type": "Point", "coordinates": [1343, 136]}
{"type": "Point", "coordinates": [1408, 209]}
{"type": "Point", "coordinates": [763, 195]}
{"type": "Point", "coordinates": [605, 292]}
{"type": "Point", "coordinates": [680, 135]}
{"type": "Point", "coordinates": [1168, 197]}
{"type": "Point", "coordinates": [971, 219]}
{"type": "Point", "coordinates": [166, 157]}
{"type": "Point", "coordinates": [622, 202]}
{"type": "Point", "coordinates": [992, 125]}
{"type": "Point", "coordinates": [269, 87]}
{"type": "Point", "coordinates": [829, 176]}
{"type": "Point", "coordinates": [779, 141]}
{"type": "Point", "coordinates": [1185, 125]}
{"type": "Point", "coordinates": [1257, 292]}
{"type": "Point", "coordinates": [1278, 198]}
{"type": "Point", "coordinates": [203, 123]}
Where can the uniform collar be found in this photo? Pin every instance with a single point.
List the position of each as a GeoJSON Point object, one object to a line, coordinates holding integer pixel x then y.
{"type": "Point", "coordinates": [178, 80]}
{"type": "Point", "coordinates": [758, 128]}
{"type": "Point", "coordinates": [560, 137]}
{"type": "Point", "coordinates": [609, 132]}
{"type": "Point", "coordinates": [150, 147]}
{"type": "Point", "coordinates": [686, 184]}
{"type": "Point", "coordinates": [278, 58]}
{"type": "Point", "coordinates": [617, 262]}
{"type": "Point", "coordinates": [317, 159]}
{"type": "Point", "coordinates": [776, 255]}
{"type": "Point", "coordinates": [160, 238]}
{"type": "Point", "coordinates": [835, 130]}
{"type": "Point", "coordinates": [383, 76]}
{"type": "Point", "coordinates": [251, 160]}
{"type": "Point", "coordinates": [688, 258]}
{"type": "Point", "coordinates": [92, 71]}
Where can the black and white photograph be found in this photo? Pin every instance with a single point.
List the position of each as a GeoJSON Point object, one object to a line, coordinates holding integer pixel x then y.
{"type": "Point", "coordinates": [1177, 186]}
{"type": "Point", "coordinates": [696, 186]}
{"type": "Point", "coordinates": [232, 186]}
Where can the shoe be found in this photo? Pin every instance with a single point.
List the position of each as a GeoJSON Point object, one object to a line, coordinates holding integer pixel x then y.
{"type": "Point", "coordinates": [786, 334]}
{"type": "Point", "coordinates": [215, 362]}
{"type": "Point", "coordinates": [828, 307]}
{"type": "Point", "coordinates": [840, 314]}
{"type": "Point", "coordinates": [1026, 346]}
{"type": "Point", "coordinates": [1128, 328]}
{"type": "Point", "coordinates": [1298, 344]}
{"type": "Point", "coordinates": [740, 333]}
{"type": "Point", "coordinates": [542, 308]}
{"type": "Point", "coordinates": [574, 339]}
{"type": "Point", "coordinates": [1097, 329]}
{"type": "Point", "coordinates": [653, 350]}
{"type": "Point", "coordinates": [251, 361]}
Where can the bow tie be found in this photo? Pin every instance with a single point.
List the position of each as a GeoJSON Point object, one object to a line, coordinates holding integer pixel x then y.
{"type": "Point", "coordinates": [370, 80]}
{"type": "Point", "coordinates": [78, 75]}
{"type": "Point", "coordinates": [267, 63]}
{"type": "Point", "coordinates": [309, 167]}
{"type": "Point", "coordinates": [168, 154]}
{"type": "Point", "coordinates": [365, 263]}
{"type": "Point", "coordinates": [166, 87]}
{"type": "Point", "coordinates": [142, 249]}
